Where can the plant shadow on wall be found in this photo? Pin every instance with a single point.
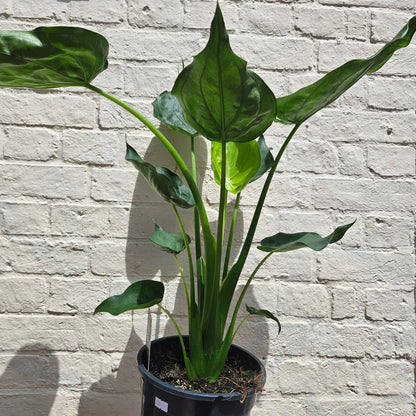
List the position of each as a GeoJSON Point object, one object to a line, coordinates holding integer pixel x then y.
{"type": "Point", "coordinates": [33, 377]}
{"type": "Point", "coordinates": [116, 391]}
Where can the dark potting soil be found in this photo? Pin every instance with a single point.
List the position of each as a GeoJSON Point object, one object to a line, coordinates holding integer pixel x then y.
{"type": "Point", "coordinates": [235, 377]}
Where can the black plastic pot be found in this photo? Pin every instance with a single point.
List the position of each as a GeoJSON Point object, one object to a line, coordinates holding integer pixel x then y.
{"type": "Point", "coordinates": [162, 399]}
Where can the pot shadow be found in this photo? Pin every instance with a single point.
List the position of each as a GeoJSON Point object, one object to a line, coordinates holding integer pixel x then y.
{"type": "Point", "coordinates": [30, 381]}
{"type": "Point", "coordinates": [119, 393]}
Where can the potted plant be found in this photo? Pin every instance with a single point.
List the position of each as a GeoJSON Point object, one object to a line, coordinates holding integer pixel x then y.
{"type": "Point", "coordinates": [216, 97]}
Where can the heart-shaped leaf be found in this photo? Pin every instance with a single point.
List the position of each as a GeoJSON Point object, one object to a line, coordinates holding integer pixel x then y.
{"type": "Point", "coordinates": [139, 295]}
{"type": "Point", "coordinates": [288, 242]}
{"type": "Point", "coordinates": [50, 57]}
{"type": "Point", "coordinates": [165, 182]}
{"type": "Point", "coordinates": [166, 108]}
{"type": "Point", "coordinates": [299, 106]}
{"type": "Point", "coordinates": [219, 97]}
{"type": "Point", "coordinates": [169, 242]}
{"type": "Point", "coordinates": [263, 312]}
{"type": "Point", "coordinates": [243, 162]}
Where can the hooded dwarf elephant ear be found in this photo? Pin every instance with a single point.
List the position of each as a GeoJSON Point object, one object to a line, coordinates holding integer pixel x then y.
{"type": "Point", "coordinates": [165, 182]}
{"type": "Point", "coordinates": [288, 242]}
{"type": "Point", "coordinates": [170, 242]}
{"type": "Point", "coordinates": [299, 106]}
{"type": "Point", "coordinates": [50, 57]}
{"type": "Point", "coordinates": [219, 97]}
{"type": "Point", "coordinates": [139, 295]}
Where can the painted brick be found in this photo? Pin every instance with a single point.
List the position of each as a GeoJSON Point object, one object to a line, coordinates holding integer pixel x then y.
{"type": "Point", "coordinates": [391, 93]}
{"type": "Point", "coordinates": [24, 294]}
{"type": "Point", "coordinates": [266, 19]}
{"type": "Point", "coordinates": [385, 25]}
{"type": "Point", "coordinates": [99, 148]}
{"type": "Point", "coordinates": [320, 22]}
{"type": "Point", "coordinates": [351, 160]}
{"type": "Point", "coordinates": [31, 144]}
{"type": "Point", "coordinates": [389, 305]}
{"type": "Point", "coordinates": [392, 160]}
{"type": "Point", "coordinates": [31, 9]}
{"type": "Point", "coordinates": [156, 13]}
{"type": "Point", "coordinates": [23, 218]}
{"type": "Point", "coordinates": [34, 109]}
{"type": "Point", "coordinates": [357, 24]}
{"type": "Point", "coordinates": [390, 4]}
{"type": "Point", "coordinates": [194, 19]}
{"type": "Point", "coordinates": [106, 11]}
{"type": "Point", "coordinates": [389, 378]}
{"type": "Point", "coordinates": [44, 181]}
{"type": "Point", "coordinates": [344, 302]}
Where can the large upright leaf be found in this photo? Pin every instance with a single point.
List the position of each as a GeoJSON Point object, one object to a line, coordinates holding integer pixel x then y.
{"type": "Point", "coordinates": [299, 106]}
{"type": "Point", "coordinates": [167, 109]}
{"type": "Point", "coordinates": [289, 242]}
{"type": "Point", "coordinates": [165, 182]}
{"type": "Point", "coordinates": [139, 295]}
{"type": "Point", "coordinates": [220, 98]}
{"type": "Point", "coordinates": [243, 162]}
{"type": "Point", "coordinates": [170, 242]}
{"type": "Point", "coordinates": [49, 57]}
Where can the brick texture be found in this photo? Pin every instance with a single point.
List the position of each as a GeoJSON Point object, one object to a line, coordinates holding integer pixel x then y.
{"type": "Point", "coordinates": [75, 216]}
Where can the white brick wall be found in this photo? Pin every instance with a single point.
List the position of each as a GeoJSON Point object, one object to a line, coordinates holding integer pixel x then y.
{"type": "Point", "coordinates": [70, 234]}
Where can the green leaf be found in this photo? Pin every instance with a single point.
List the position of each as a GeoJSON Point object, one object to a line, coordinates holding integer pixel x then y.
{"type": "Point", "coordinates": [243, 162]}
{"type": "Point", "coordinates": [299, 106]}
{"type": "Point", "coordinates": [265, 313]}
{"type": "Point", "coordinates": [50, 57]}
{"type": "Point", "coordinates": [166, 108]}
{"type": "Point", "coordinates": [165, 182]}
{"type": "Point", "coordinates": [169, 242]}
{"type": "Point", "coordinates": [266, 159]}
{"type": "Point", "coordinates": [139, 295]}
{"type": "Point", "coordinates": [288, 242]}
{"type": "Point", "coordinates": [220, 98]}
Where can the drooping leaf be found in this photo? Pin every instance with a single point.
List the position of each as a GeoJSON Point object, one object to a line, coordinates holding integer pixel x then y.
{"type": "Point", "coordinates": [50, 57]}
{"type": "Point", "coordinates": [288, 242]}
{"type": "Point", "coordinates": [266, 159]}
{"type": "Point", "coordinates": [167, 109]}
{"type": "Point", "coordinates": [139, 295]}
{"type": "Point", "coordinates": [169, 242]}
{"type": "Point", "coordinates": [243, 162]}
{"type": "Point", "coordinates": [219, 97]}
{"type": "Point", "coordinates": [265, 313]}
{"type": "Point", "coordinates": [165, 182]}
{"type": "Point", "coordinates": [299, 106]}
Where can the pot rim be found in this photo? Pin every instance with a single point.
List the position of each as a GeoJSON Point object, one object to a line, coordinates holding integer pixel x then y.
{"type": "Point", "coordinates": [148, 376]}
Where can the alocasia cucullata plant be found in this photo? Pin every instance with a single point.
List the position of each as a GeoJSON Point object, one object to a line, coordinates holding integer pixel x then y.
{"type": "Point", "coordinates": [217, 97]}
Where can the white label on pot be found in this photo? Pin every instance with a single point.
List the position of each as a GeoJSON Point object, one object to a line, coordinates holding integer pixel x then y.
{"type": "Point", "coordinates": [160, 404]}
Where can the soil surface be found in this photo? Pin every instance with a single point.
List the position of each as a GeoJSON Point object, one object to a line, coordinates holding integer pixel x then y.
{"type": "Point", "coordinates": [235, 377]}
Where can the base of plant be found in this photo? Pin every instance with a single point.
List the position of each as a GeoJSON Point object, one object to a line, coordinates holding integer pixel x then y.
{"type": "Point", "coordinates": [166, 387]}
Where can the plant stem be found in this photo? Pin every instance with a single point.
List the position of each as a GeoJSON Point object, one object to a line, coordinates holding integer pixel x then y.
{"type": "Point", "coordinates": [185, 286]}
{"type": "Point", "coordinates": [231, 235]}
{"type": "Point", "coordinates": [190, 263]}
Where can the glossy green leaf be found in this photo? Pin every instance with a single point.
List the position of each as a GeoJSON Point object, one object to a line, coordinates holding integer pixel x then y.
{"type": "Point", "coordinates": [165, 182]}
{"type": "Point", "coordinates": [166, 108]}
{"type": "Point", "coordinates": [243, 162]}
{"type": "Point", "coordinates": [220, 98]}
{"type": "Point", "coordinates": [263, 312]}
{"type": "Point", "coordinates": [139, 295]}
{"type": "Point", "coordinates": [49, 57]}
{"type": "Point", "coordinates": [266, 159]}
{"type": "Point", "coordinates": [169, 242]}
{"type": "Point", "coordinates": [289, 242]}
{"type": "Point", "coordinates": [299, 106]}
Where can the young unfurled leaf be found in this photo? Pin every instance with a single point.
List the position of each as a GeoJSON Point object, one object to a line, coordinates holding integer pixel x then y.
{"type": "Point", "coordinates": [299, 106]}
{"type": "Point", "coordinates": [170, 242]}
{"type": "Point", "coordinates": [165, 182]}
{"type": "Point", "coordinates": [263, 312]}
{"type": "Point", "coordinates": [219, 97]}
{"type": "Point", "coordinates": [243, 162]}
{"type": "Point", "coordinates": [50, 57]}
{"type": "Point", "coordinates": [167, 109]}
{"type": "Point", "coordinates": [289, 242]}
{"type": "Point", "coordinates": [139, 295]}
